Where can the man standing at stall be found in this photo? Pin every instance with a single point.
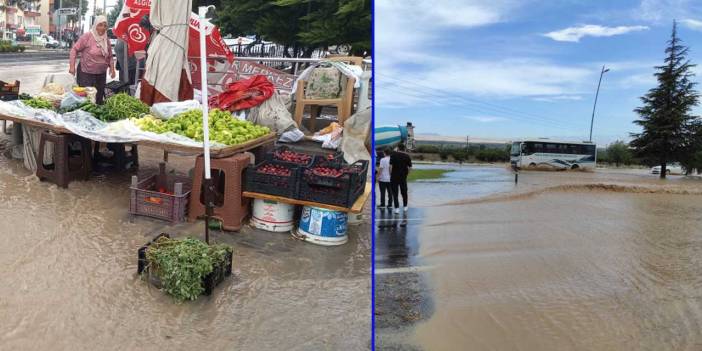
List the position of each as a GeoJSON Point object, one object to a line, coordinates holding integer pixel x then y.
{"type": "Point", "coordinates": [401, 164]}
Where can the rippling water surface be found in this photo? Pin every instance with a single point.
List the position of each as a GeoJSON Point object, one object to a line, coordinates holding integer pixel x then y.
{"type": "Point", "coordinates": [609, 260]}
{"type": "Point", "coordinates": [68, 264]}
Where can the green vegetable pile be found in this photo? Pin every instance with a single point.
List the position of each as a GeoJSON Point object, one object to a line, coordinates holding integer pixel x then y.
{"type": "Point", "coordinates": [224, 128]}
{"type": "Point", "coordinates": [181, 264]}
{"type": "Point", "coordinates": [38, 103]}
{"type": "Point", "coordinates": [120, 106]}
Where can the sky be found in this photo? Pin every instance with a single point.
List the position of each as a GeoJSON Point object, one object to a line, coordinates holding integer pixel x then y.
{"type": "Point", "coordinates": [509, 69]}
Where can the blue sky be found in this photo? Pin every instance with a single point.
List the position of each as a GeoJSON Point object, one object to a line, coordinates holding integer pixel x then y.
{"type": "Point", "coordinates": [522, 68]}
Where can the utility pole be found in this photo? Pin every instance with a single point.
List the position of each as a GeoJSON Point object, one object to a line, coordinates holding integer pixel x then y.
{"type": "Point", "coordinates": [592, 120]}
{"type": "Point", "coordinates": [58, 34]}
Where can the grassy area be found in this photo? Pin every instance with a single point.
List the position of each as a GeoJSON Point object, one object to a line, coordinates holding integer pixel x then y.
{"type": "Point", "coordinates": [417, 174]}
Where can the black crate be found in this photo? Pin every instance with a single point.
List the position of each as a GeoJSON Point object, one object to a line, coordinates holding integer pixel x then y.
{"type": "Point", "coordinates": [355, 174]}
{"type": "Point", "coordinates": [344, 197]}
{"type": "Point", "coordinates": [341, 191]}
{"type": "Point", "coordinates": [270, 184]}
{"type": "Point", "coordinates": [209, 282]}
{"type": "Point", "coordinates": [271, 156]}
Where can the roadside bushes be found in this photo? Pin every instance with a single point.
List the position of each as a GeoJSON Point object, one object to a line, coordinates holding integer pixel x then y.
{"type": "Point", "coordinates": [466, 154]}
{"type": "Point", "coordinates": [6, 46]}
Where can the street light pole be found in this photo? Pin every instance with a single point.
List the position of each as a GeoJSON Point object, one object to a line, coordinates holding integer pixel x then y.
{"type": "Point", "coordinates": [592, 120]}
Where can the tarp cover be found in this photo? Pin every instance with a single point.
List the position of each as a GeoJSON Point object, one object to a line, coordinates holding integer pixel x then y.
{"type": "Point", "coordinates": [167, 55]}
{"type": "Point", "coordinates": [86, 125]}
{"type": "Point", "coordinates": [356, 129]}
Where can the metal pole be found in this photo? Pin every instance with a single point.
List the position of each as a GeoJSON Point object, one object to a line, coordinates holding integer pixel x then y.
{"type": "Point", "coordinates": [202, 12]}
{"type": "Point", "coordinates": [58, 35]}
{"type": "Point", "coordinates": [592, 119]}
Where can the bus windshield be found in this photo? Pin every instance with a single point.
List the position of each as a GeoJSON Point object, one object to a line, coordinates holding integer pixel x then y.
{"type": "Point", "coordinates": [516, 149]}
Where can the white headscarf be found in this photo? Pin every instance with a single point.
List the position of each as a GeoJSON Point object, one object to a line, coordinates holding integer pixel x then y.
{"type": "Point", "coordinates": [101, 40]}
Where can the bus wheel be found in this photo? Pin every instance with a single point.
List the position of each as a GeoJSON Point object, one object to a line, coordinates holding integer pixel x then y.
{"type": "Point", "coordinates": [532, 164]}
{"type": "Point", "coordinates": [575, 167]}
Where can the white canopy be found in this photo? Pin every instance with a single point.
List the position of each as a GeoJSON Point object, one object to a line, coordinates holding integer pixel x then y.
{"type": "Point", "coordinates": [167, 54]}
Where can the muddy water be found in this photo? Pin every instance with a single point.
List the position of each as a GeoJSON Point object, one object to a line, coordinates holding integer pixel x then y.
{"type": "Point", "coordinates": [567, 261]}
{"type": "Point", "coordinates": [68, 264]}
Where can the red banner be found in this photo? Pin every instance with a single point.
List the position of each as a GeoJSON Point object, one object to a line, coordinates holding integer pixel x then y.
{"type": "Point", "coordinates": [128, 29]}
{"type": "Point", "coordinates": [139, 4]}
{"type": "Point", "coordinates": [222, 73]}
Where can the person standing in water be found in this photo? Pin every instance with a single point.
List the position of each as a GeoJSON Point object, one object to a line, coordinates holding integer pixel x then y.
{"type": "Point", "coordinates": [401, 164]}
{"type": "Point", "coordinates": [384, 170]}
{"type": "Point", "coordinates": [95, 58]}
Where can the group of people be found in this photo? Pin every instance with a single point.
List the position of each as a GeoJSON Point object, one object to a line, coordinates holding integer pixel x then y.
{"type": "Point", "coordinates": [392, 175]}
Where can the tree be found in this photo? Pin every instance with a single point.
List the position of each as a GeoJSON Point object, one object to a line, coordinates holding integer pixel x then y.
{"type": "Point", "coordinates": [618, 152]}
{"type": "Point", "coordinates": [112, 16]}
{"type": "Point", "coordinates": [300, 25]}
{"type": "Point", "coordinates": [666, 118]}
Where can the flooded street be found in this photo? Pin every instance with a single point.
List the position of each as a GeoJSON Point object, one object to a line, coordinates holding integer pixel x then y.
{"type": "Point", "coordinates": [68, 262]}
{"type": "Point", "coordinates": [606, 260]}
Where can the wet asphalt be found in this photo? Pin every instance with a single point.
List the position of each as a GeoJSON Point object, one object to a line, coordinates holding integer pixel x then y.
{"type": "Point", "coordinates": [402, 295]}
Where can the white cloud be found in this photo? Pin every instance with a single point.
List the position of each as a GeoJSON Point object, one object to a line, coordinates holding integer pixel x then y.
{"type": "Point", "coordinates": [657, 11]}
{"type": "Point", "coordinates": [574, 34]}
{"type": "Point", "coordinates": [557, 98]}
{"type": "Point", "coordinates": [484, 119]}
{"type": "Point", "coordinates": [447, 80]}
{"type": "Point", "coordinates": [692, 24]}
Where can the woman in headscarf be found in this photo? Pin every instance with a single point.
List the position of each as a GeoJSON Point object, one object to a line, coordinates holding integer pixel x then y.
{"type": "Point", "coordinates": [95, 58]}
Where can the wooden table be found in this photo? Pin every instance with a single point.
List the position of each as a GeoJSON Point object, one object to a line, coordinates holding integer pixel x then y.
{"type": "Point", "coordinates": [356, 208]}
{"type": "Point", "coordinates": [167, 147]}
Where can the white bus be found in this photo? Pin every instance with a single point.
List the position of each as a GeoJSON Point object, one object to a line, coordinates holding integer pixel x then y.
{"type": "Point", "coordinates": [553, 154]}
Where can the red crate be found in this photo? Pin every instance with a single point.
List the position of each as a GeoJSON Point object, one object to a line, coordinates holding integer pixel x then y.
{"type": "Point", "coordinates": [147, 200]}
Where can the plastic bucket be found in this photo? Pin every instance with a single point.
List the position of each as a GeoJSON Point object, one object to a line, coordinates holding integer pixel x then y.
{"type": "Point", "coordinates": [323, 227]}
{"type": "Point", "coordinates": [272, 216]}
{"type": "Point", "coordinates": [355, 218]}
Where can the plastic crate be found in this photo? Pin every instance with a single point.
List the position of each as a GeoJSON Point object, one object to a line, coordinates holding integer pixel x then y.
{"type": "Point", "coordinates": [209, 282]}
{"type": "Point", "coordinates": [341, 191]}
{"type": "Point", "coordinates": [272, 156]}
{"type": "Point", "coordinates": [9, 87]}
{"type": "Point", "coordinates": [146, 200]}
{"type": "Point", "coordinates": [285, 186]}
{"type": "Point", "coordinates": [9, 91]}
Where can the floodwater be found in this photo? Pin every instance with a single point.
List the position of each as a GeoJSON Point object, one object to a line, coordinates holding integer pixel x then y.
{"type": "Point", "coordinates": [603, 260]}
{"type": "Point", "coordinates": [68, 266]}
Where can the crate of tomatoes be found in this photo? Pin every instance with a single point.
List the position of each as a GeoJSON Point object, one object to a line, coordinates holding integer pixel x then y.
{"type": "Point", "coordinates": [286, 156]}
{"type": "Point", "coordinates": [333, 182]}
{"type": "Point", "coordinates": [273, 178]}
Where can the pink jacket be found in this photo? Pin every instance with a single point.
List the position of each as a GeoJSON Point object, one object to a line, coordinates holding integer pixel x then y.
{"type": "Point", "coordinates": [91, 58]}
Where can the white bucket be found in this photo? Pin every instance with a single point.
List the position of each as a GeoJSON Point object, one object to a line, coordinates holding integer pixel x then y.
{"type": "Point", "coordinates": [272, 216]}
{"type": "Point", "coordinates": [355, 218]}
{"type": "Point", "coordinates": [323, 227]}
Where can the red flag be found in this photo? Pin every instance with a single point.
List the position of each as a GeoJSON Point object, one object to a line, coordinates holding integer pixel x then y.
{"type": "Point", "coordinates": [127, 25]}
{"type": "Point", "coordinates": [216, 47]}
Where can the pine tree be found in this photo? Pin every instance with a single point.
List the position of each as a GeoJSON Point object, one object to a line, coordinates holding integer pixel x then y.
{"type": "Point", "coordinates": [668, 125]}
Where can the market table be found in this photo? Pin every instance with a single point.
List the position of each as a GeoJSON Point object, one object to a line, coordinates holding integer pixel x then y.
{"type": "Point", "coordinates": [167, 147]}
{"type": "Point", "coordinates": [356, 208]}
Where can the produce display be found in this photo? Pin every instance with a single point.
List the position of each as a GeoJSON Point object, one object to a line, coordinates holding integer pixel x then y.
{"type": "Point", "coordinates": [277, 170]}
{"type": "Point", "coordinates": [181, 264]}
{"type": "Point", "coordinates": [38, 103]}
{"type": "Point", "coordinates": [327, 172]}
{"type": "Point", "coordinates": [224, 128]}
{"type": "Point", "coordinates": [121, 106]}
{"type": "Point", "coordinates": [292, 156]}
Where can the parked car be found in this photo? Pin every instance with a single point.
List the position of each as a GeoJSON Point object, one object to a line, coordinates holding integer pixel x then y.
{"type": "Point", "coordinates": [49, 41]}
{"type": "Point", "coordinates": [671, 168]}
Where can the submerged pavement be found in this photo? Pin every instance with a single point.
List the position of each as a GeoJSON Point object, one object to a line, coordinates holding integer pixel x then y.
{"type": "Point", "coordinates": [604, 260]}
{"type": "Point", "coordinates": [68, 262]}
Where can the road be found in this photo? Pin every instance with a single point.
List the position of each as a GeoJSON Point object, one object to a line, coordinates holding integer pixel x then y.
{"type": "Point", "coordinates": [31, 58]}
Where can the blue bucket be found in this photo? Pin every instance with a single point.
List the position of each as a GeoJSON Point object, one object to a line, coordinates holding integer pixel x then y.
{"type": "Point", "coordinates": [323, 227]}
